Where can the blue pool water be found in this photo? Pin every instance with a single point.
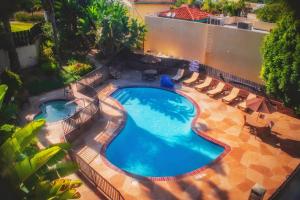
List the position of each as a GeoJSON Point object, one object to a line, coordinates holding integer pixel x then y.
{"type": "Point", "coordinates": [157, 139]}
{"type": "Point", "coordinates": [56, 110]}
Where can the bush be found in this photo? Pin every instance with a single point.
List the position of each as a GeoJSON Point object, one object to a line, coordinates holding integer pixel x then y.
{"type": "Point", "coordinates": [36, 87]}
{"type": "Point", "coordinates": [48, 62]}
{"type": "Point", "coordinates": [13, 81]}
{"type": "Point", "coordinates": [281, 62]}
{"type": "Point", "coordinates": [78, 68]}
{"type": "Point", "coordinates": [29, 17]}
{"type": "Point", "coordinates": [270, 12]}
{"type": "Point", "coordinates": [49, 67]}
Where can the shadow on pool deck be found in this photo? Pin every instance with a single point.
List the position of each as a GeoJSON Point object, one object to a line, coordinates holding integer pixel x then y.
{"type": "Point", "coordinates": [289, 146]}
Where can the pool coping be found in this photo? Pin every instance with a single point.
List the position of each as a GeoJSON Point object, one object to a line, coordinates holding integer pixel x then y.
{"type": "Point", "coordinates": [165, 178]}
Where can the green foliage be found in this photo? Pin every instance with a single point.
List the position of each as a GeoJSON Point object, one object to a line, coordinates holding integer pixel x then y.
{"type": "Point", "coordinates": [281, 62]}
{"type": "Point", "coordinates": [13, 81]}
{"type": "Point", "coordinates": [117, 30]}
{"type": "Point", "coordinates": [178, 3]}
{"type": "Point", "coordinates": [210, 6]}
{"type": "Point", "coordinates": [271, 12]}
{"type": "Point", "coordinates": [48, 61]}
{"type": "Point", "coordinates": [73, 24]}
{"type": "Point", "coordinates": [25, 167]}
{"type": "Point", "coordinates": [9, 111]}
{"type": "Point", "coordinates": [58, 189]}
{"type": "Point", "coordinates": [232, 8]}
{"type": "Point", "coordinates": [39, 86]}
{"type": "Point", "coordinates": [78, 68]}
{"type": "Point", "coordinates": [20, 26]}
{"type": "Point", "coordinates": [3, 89]}
{"type": "Point", "coordinates": [29, 17]}
{"type": "Point", "coordinates": [227, 7]}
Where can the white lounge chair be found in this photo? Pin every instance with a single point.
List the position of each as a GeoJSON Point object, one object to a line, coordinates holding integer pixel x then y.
{"type": "Point", "coordinates": [234, 93]}
{"type": "Point", "coordinates": [192, 79]}
{"type": "Point", "coordinates": [207, 82]}
{"type": "Point", "coordinates": [179, 75]}
{"type": "Point", "coordinates": [217, 90]}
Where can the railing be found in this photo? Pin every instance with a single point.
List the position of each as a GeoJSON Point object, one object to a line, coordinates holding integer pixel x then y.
{"type": "Point", "coordinates": [93, 78]}
{"type": "Point", "coordinates": [86, 90]}
{"type": "Point", "coordinates": [79, 119]}
{"type": "Point", "coordinates": [24, 38]}
{"type": "Point", "coordinates": [235, 80]}
{"type": "Point", "coordinates": [99, 181]}
{"type": "Point", "coordinates": [75, 122]}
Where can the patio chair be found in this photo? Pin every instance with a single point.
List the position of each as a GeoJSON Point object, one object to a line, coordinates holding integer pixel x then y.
{"type": "Point", "coordinates": [232, 96]}
{"type": "Point", "coordinates": [242, 106]}
{"type": "Point", "coordinates": [192, 79]}
{"type": "Point", "coordinates": [179, 75]}
{"type": "Point", "coordinates": [217, 90]}
{"type": "Point", "coordinates": [207, 83]}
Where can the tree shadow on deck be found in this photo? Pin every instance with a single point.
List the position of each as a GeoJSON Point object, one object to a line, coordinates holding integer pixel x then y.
{"type": "Point", "coordinates": [289, 146]}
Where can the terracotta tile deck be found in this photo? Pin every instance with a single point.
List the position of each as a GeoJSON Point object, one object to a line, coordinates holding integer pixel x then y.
{"type": "Point", "coordinates": [267, 161]}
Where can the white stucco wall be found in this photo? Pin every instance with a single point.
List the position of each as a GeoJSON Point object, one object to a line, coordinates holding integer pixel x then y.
{"type": "Point", "coordinates": [28, 56]}
{"type": "Point", "coordinates": [231, 50]}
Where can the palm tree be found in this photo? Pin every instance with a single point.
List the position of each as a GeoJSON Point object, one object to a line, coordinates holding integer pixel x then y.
{"type": "Point", "coordinates": [49, 10]}
{"type": "Point", "coordinates": [7, 8]}
{"type": "Point", "coordinates": [28, 172]}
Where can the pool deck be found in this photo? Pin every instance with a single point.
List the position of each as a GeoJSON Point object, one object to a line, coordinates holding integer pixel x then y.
{"type": "Point", "coordinates": [267, 161]}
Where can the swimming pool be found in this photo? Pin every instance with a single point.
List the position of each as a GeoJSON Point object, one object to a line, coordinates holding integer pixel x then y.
{"type": "Point", "coordinates": [157, 139]}
{"type": "Point", "coordinates": [56, 110]}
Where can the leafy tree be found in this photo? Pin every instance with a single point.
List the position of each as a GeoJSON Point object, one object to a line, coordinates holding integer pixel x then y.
{"type": "Point", "coordinates": [13, 81]}
{"type": "Point", "coordinates": [26, 172]}
{"type": "Point", "coordinates": [117, 30]}
{"type": "Point", "coordinates": [281, 61]}
{"type": "Point", "coordinates": [232, 8]}
{"type": "Point", "coordinates": [271, 12]}
{"type": "Point", "coordinates": [7, 9]}
{"type": "Point", "coordinates": [73, 23]}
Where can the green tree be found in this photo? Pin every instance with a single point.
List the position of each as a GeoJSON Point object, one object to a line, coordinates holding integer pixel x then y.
{"type": "Point", "coordinates": [117, 30]}
{"type": "Point", "coordinates": [27, 172]}
{"type": "Point", "coordinates": [271, 12]}
{"type": "Point", "coordinates": [73, 23]}
{"type": "Point", "coordinates": [281, 61]}
{"type": "Point", "coordinates": [7, 9]}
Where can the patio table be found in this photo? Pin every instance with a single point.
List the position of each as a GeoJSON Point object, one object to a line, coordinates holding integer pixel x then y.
{"type": "Point", "coordinates": [257, 125]}
{"type": "Point", "coordinates": [149, 74]}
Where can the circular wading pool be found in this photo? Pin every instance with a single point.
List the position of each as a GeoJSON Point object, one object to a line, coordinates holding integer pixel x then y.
{"type": "Point", "coordinates": [56, 110]}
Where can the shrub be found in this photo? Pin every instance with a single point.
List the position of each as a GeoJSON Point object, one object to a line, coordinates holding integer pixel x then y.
{"type": "Point", "coordinates": [78, 68]}
{"type": "Point", "coordinates": [281, 62]}
{"type": "Point", "coordinates": [49, 67]}
{"type": "Point", "coordinates": [29, 17]}
{"type": "Point", "coordinates": [13, 81]}
{"type": "Point", "coordinates": [36, 87]}
{"type": "Point", "coordinates": [270, 12]}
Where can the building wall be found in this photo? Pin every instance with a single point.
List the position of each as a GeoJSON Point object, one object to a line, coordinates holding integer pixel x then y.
{"type": "Point", "coordinates": [231, 50]}
{"type": "Point", "coordinates": [28, 56]}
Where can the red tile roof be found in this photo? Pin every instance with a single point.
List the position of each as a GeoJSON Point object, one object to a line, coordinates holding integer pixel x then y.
{"type": "Point", "coordinates": [185, 12]}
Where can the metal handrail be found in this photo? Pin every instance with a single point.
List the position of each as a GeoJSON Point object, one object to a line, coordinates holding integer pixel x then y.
{"type": "Point", "coordinates": [99, 181]}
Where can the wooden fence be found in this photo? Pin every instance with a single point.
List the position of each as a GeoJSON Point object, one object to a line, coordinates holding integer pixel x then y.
{"type": "Point", "coordinates": [28, 37]}
{"type": "Point", "coordinates": [97, 180]}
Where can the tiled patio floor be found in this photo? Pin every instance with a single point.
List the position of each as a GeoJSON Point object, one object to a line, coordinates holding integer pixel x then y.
{"type": "Point", "coordinates": [267, 161]}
